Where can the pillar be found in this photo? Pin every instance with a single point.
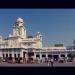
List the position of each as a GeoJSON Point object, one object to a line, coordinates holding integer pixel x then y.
{"type": "Point", "coordinates": [1, 57]}
{"type": "Point", "coordinates": [13, 58]}
{"type": "Point", "coordinates": [26, 56]}
{"type": "Point", "coordinates": [34, 56]}
{"type": "Point", "coordinates": [5, 55]}
{"type": "Point", "coordinates": [40, 56]}
{"type": "Point", "coordinates": [8, 54]}
{"type": "Point", "coordinates": [46, 55]}
{"type": "Point", "coordinates": [16, 55]}
{"type": "Point", "coordinates": [59, 56]}
{"type": "Point", "coordinates": [21, 56]}
{"type": "Point", "coordinates": [66, 57]}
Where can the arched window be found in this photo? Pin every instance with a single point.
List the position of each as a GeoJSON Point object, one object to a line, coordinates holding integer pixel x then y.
{"type": "Point", "coordinates": [43, 55]}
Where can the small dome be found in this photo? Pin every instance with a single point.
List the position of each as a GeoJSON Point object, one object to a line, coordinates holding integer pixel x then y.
{"type": "Point", "coordinates": [38, 33]}
{"type": "Point", "coordinates": [19, 20]}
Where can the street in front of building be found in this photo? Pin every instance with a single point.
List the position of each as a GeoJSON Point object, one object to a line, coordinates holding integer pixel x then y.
{"type": "Point", "coordinates": [55, 64]}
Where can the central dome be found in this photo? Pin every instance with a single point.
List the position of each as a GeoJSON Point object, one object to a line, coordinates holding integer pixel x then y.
{"type": "Point", "coordinates": [19, 20]}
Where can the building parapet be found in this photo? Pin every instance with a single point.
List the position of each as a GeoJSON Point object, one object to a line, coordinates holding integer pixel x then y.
{"type": "Point", "coordinates": [55, 48]}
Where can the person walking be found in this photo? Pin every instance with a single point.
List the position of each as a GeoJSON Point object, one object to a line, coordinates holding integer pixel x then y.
{"type": "Point", "coordinates": [48, 62]}
{"type": "Point", "coordinates": [52, 62]}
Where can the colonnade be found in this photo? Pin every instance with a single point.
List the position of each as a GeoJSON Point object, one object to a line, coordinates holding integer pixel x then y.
{"type": "Point", "coordinates": [16, 54]}
{"type": "Point", "coordinates": [47, 55]}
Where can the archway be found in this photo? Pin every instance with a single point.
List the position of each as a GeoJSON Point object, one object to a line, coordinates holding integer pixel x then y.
{"type": "Point", "coordinates": [30, 54]}
{"type": "Point", "coordinates": [49, 56]}
{"type": "Point", "coordinates": [56, 57]}
{"type": "Point", "coordinates": [10, 58]}
{"type": "Point", "coordinates": [62, 55]}
{"type": "Point", "coordinates": [43, 56]}
{"type": "Point", "coordinates": [38, 56]}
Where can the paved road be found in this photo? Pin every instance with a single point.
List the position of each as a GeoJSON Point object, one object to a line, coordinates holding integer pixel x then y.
{"type": "Point", "coordinates": [70, 64]}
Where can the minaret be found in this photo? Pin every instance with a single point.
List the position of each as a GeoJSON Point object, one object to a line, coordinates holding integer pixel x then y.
{"type": "Point", "coordinates": [19, 29]}
{"type": "Point", "coordinates": [39, 40]}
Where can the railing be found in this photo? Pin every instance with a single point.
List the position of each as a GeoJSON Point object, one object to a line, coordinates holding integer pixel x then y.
{"type": "Point", "coordinates": [40, 50]}
{"type": "Point", "coordinates": [28, 40]}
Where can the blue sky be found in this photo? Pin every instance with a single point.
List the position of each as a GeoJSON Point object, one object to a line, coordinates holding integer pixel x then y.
{"type": "Point", "coordinates": [56, 25]}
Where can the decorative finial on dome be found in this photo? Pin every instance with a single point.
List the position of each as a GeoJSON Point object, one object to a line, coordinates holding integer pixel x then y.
{"type": "Point", "coordinates": [38, 33]}
{"type": "Point", "coordinates": [19, 19]}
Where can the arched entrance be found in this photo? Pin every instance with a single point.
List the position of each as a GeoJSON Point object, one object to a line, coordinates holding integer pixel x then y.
{"type": "Point", "coordinates": [43, 57]}
{"type": "Point", "coordinates": [49, 56]}
{"type": "Point", "coordinates": [63, 57]}
{"type": "Point", "coordinates": [38, 56]}
{"type": "Point", "coordinates": [56, 57]}
{"type": "Point", "coordinates": [30, 56]}
{"type": "Point", "coordinates": [10, 58]}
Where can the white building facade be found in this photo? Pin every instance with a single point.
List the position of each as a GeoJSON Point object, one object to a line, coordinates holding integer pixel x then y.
{"type": "Point", "coordinates": [19, 46]}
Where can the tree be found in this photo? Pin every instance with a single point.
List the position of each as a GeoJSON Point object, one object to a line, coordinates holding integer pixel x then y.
{"type": "Point", "coordinates": [71, 55]}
